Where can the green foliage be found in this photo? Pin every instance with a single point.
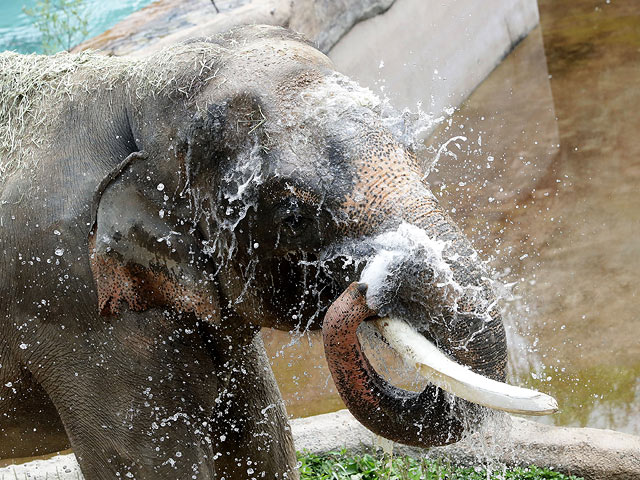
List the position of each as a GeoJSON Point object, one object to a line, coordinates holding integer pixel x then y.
{"type": "Point", "coordinates": [342, 466]}
{"type": "Point", "coordinates": [62, 23]}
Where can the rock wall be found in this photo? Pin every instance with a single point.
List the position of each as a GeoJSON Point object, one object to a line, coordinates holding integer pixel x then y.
{"type": "Point", "coordinates": [166, 22]}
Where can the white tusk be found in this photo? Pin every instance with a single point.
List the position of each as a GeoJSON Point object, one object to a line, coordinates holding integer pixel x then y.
{"type": "Point", "coordinates": [457, 379]}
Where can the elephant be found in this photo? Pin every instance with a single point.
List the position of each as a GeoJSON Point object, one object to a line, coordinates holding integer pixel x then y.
{"type": "Point", "coordinates": [156, 213]}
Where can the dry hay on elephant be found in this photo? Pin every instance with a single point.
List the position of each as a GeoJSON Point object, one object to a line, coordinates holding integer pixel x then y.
{"type": "Point", "coordinates": [33, 89]}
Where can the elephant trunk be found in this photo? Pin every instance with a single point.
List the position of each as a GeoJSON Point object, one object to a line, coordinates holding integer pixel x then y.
{"type": "Point", "coordinates": [419, 419]}
{"type": "Point", "coordinates": [426, 286]}
{"type": "Point", "coordinates": [467, 325]}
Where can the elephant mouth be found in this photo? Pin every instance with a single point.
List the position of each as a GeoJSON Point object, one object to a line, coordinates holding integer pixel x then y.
{"type": "Point", "coordinates": [422, 419]}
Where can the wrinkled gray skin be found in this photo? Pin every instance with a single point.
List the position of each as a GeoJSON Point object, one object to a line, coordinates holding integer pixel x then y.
{"type": "Point", "coordinates": [189, 218]}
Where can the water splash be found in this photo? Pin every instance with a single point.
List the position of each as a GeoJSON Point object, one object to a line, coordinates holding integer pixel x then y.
{"type": "Point", "coordinates": [393, 248]}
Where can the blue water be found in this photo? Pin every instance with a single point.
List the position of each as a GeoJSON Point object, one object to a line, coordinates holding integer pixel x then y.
{"type": "Point", "coordinates": [17, 31]}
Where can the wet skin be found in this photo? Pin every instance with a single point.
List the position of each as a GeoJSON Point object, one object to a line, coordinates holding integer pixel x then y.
{"type": "Point", "coordinates": [161, 228]}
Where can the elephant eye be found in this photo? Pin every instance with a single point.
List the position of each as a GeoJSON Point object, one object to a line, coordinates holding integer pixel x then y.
{"type": "Point", "coordinates": [295, 224]}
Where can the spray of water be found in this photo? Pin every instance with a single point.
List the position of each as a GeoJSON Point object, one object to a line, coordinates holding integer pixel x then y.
{"type": "Point", "coordinates": [378, 258]}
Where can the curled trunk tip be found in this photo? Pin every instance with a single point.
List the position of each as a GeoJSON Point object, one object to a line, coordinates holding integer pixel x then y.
{"type": "Point", "coordinates": [422, 419]}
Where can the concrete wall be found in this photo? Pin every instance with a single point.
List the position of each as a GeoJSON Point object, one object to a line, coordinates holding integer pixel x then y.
{"type": "Point", "coordinates": [433, 51]}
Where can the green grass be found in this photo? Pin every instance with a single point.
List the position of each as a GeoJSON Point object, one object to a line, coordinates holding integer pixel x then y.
{"type": "Point", "coordinates": [342, 466]}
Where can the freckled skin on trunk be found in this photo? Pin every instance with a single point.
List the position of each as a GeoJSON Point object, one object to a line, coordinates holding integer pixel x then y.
{"type": "Point", "coordinates": [421, 419]}
{"type": "Point", "coordinates": [390, 179]}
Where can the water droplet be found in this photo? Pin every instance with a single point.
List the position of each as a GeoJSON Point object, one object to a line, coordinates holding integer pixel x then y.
{"type": "Point", "coordinates": [160, 187]}
{"type": "Point", "coordinates": [59, 251]}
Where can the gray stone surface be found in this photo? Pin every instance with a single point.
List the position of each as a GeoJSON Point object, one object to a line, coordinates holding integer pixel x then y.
{"type": "Point", "coordinates": [433, 52]}
{"type": "Point", "coordinates": [60, 467]}
{"type": "Point", "coordinates": [327, 21]}
{"type": "Point", "coordinates": [588, 452]}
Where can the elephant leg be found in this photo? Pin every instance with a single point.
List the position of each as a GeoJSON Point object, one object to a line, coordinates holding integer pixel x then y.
{"type": "Point", "coordinates": [136, 396]}
{"type": "Point", "coordinates": [254, 436]}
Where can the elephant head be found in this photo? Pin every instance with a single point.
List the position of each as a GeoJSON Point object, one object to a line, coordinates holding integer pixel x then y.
{"type": "Point", "coordinates": [264, 184]}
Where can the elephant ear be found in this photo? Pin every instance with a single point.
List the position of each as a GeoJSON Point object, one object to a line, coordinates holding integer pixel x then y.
{"type": "Point", "coordinates": [139, 257]}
